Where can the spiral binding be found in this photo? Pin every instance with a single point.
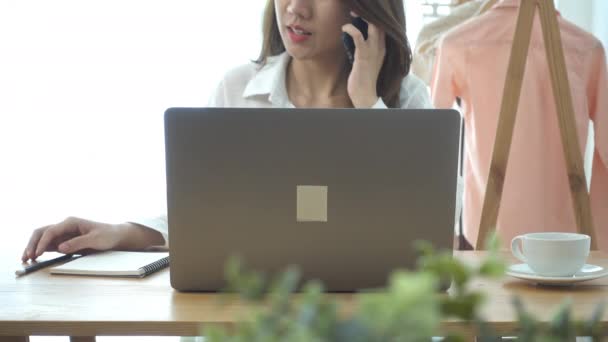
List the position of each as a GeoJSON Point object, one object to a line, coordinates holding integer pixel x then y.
{"type": "Point", "coordinates": [155, 266]}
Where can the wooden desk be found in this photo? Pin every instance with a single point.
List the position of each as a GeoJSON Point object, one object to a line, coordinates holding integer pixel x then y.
{"type": "Point", "coordinates": [42, 304]}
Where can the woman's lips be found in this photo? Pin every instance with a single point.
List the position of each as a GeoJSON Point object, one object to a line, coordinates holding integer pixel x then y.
{"type": "Point", "coordinates": [297, 35]}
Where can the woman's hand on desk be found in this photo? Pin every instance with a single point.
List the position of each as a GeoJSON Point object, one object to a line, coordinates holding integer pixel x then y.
{"type": "Point", "coordinates": [76, 235]}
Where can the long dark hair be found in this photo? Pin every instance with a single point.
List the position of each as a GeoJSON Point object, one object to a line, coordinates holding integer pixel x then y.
{"type": "Point", "coordinates": [388, 15]}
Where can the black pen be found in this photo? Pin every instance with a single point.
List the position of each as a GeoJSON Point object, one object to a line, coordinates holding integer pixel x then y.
{"type": "Point", "coordinates": [38, 265]}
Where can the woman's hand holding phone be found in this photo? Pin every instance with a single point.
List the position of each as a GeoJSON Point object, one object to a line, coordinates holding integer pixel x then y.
{"type": "Point", "coordinates": [368, 60]}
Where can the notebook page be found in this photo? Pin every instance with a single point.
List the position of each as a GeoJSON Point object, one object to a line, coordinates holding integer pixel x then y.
{"type": "Point", "coordinates": [110, 263]}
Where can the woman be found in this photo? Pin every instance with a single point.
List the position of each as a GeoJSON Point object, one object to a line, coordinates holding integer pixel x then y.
{"type": "Point", "coordinates": [302, 64]}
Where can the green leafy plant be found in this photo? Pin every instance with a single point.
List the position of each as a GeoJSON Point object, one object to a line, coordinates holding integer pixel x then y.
{"type": "Point", "coordinates": [409, 309]}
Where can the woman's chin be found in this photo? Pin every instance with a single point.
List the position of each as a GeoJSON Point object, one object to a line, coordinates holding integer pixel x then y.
{"type": "Point", "coordinates": [304, 53]}
{"type": "Point", "coordinates": [298, 53]}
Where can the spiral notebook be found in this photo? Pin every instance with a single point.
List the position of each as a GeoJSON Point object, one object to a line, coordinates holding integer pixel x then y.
{"type": "Point", "coordinates": [115, 264]}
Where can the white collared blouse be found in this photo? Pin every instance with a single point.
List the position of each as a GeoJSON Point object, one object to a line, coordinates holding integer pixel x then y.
{"type": "Point", "coordinates": [251, 86]}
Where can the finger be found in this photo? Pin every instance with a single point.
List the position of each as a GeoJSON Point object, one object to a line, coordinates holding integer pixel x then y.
{"type": "Point", "coordinates": [356, 15]}
{"type": "Point", "coordinates": [377, 38]}
{"type": "Point", "coordinates": [79, 243]}
{"type": "Point", "coordinates": [355, 34]}
{"type": "Point", "coordinates": [30, 249]}
{"type": "Point", "coordinates": [374, 33]}
{"type": "Point", "coordinates": [45, 240]}
{"type": "Point", "coordinates": [26, 256]}
{"type": "Point", "coordinates": [65, 230]}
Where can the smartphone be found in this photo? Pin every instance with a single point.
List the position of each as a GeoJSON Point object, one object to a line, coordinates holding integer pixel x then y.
{"type": "Point", "coordinates": [349, 43]}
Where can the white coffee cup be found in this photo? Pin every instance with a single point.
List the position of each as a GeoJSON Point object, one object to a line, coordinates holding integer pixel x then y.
{"type": "Point", "coordinates": [552, 254]}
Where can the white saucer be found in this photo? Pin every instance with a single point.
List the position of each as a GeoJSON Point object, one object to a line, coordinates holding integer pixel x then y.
{"type": "Point", "coordinates": [588, 272]}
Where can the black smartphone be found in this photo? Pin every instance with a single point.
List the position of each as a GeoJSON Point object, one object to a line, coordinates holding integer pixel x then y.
{"type": "Point", "coordinates": [349, 43]}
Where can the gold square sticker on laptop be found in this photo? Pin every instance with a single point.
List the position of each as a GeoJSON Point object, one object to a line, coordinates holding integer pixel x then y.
{"type": "Point", "coordinates": [311, 203]}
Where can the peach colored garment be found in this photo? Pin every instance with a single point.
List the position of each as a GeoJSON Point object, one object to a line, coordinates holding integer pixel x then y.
{"type": "Point", "coordinates": [430, 35]}
{"type": "Point", "coordinates": [471, 64]}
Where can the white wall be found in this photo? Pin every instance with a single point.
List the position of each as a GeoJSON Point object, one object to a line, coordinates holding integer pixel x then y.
{"type": "Point", "coordinates": [83, 88]}
{"type": "Point", "coordinates": [579, 12]}
{"type": "Point", "coordinates": [600, 20]}
{"type": "Point", "coordinates": [592, 16]}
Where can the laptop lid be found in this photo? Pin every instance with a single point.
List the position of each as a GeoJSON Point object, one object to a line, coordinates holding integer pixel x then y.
{"type": "Point", "coordinates": [342, 193]}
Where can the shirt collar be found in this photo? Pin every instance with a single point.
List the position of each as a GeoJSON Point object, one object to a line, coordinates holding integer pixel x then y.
{"type": "Point", "coordinates": [516, 3]}
{"type": "Point", "coordinates": [270, 80]}
{"type": "Point", "coordinates": [508, 3]}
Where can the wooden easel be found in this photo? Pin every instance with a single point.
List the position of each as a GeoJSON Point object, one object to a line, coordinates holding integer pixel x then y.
{"type": "Point", "coordinates": [565, 114]}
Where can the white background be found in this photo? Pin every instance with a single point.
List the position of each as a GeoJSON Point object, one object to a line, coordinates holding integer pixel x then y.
{"type": "Point", "coordinates": [83, 88]}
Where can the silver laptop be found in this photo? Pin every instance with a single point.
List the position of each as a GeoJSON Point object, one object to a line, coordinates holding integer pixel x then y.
{"type": "Point", "coordinates": [342, 193]}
